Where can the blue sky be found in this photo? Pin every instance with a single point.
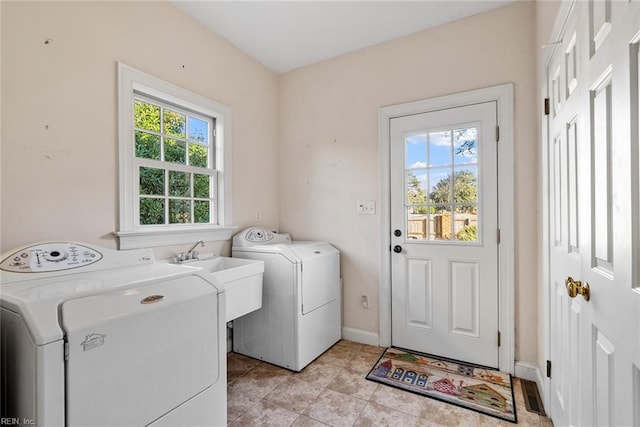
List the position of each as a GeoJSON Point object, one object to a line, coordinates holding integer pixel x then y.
{"type": "Point", "coordinates": [198, 130]}
{"type": "Point", "coordinates": [433, 153]}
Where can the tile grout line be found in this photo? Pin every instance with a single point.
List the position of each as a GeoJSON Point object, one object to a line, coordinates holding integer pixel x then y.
{"type": "Point", "coordinates": [348, 354]}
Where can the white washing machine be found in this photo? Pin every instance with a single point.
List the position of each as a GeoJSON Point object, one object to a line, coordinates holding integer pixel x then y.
{"type": "Point", "coordinates": [98, 337]}
{"type": "Point", "coordinates": [301, 309]}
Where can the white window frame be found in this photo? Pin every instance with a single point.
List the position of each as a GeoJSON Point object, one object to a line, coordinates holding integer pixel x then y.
{"type": "Point", "coordinates": [130, 234]}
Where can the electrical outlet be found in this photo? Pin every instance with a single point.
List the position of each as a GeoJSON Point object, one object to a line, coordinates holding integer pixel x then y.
{"type": "Point", "coordinates": [364, 301]}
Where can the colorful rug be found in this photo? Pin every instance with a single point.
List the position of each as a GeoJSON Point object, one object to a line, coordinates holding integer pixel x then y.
{"type": "Point", "coordinates": [470, 386]}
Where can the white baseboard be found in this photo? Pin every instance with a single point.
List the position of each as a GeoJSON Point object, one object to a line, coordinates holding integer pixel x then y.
{"type": "Point", "coordinates": [531, 372]}
{"type": "Point", "coordinates": [527, 371]}
{"type": "Point", "coordinates": [360, 336]}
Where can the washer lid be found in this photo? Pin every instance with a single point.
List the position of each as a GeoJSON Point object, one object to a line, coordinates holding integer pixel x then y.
{"type": "Point", "coordinates": [296, 251]}
{"type": "Point", "coordinates": [311, 250]}
{"type": "Point", "coordinates": [135, 354]}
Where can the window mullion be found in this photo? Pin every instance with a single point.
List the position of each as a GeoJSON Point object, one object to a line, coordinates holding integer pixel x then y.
{"type": "Point", "coordinates": [216, 202]}
{"type": "Point", "coordinates": [212, 146]}
{"type": "Point", "coordinates": [192, 194]}
{"type": "Point", "coordinates": [166, 197]}
{"type": "Point", "coordinates": [163, 137]}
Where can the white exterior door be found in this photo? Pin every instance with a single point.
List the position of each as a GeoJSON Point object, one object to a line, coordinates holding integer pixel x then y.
{"type": "Point", "coordinates": [593, 227]}
{"type": "Point", "coordinates": [444, 220]}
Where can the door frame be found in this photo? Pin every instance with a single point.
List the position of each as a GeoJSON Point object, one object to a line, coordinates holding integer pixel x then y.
{"type": "Point", "coordinates": [503, 96]}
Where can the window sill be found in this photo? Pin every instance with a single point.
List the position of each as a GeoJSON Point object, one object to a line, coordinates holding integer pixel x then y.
{"type": "Point", "coordinates": [166, 237]}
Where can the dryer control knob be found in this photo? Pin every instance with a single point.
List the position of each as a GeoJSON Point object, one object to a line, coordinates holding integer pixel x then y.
{"type": "Point", "coordinates": [55, 255]}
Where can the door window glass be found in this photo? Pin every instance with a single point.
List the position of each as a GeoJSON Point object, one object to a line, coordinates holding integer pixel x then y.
{"type": "Point", "coordinates": [441, 181]}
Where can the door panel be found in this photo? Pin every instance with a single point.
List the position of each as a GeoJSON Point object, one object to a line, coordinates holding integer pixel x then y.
{"type": "Point", "coordinates": [594, 235]}
{"type": "Point", "coordinates": [465, 305]}
{"type": "Point", "coordinates": [445, 261]}
{"type": "Point", "coordinates": [419, 293]}
{"type": "Point", "coordinates": [556, 188]}
{"type": "Point", "coordinates": [574, 186]}
{"type": "Point", "coordinates": [604, 354]}
{"type": "Point", "coordinates": [601, 173]}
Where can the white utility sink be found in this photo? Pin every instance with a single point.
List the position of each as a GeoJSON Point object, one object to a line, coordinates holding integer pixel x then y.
{"type": "Point", "coordinates": [241, 279]}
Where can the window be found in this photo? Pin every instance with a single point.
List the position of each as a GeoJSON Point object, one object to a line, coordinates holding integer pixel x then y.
{"type": "Point", "coordinates": [442, 184]}
{"type": "Point", "coordinates": [173, 151]}
{"type": "Point", "coordinates": [174, 164]}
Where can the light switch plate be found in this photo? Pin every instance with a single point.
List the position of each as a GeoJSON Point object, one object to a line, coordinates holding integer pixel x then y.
{"type": "Point", "coordinates": [366, 207]}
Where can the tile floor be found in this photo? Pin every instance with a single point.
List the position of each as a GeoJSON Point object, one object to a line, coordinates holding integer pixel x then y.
{"type": "Point", "coordinates": [333, 391]}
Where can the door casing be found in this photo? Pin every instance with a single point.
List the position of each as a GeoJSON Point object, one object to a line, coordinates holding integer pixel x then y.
{"type": "Point", "coordinates": [503, 95]}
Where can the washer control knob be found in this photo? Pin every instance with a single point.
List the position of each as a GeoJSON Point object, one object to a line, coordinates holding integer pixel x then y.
{"type": "Point", "coordinates": [56, 255]}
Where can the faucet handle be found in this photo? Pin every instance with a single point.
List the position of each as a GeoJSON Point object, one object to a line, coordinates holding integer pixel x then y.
{"type": "Point", "coordinates": [194, 255]}
{"type": "Point", "coordinates": [181, 257]}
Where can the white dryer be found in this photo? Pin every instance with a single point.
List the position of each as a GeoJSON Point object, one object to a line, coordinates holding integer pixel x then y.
{"type": "Point", "coordinates": [97, 337]}
{"type": "Point", "coordinates": [301, 309]}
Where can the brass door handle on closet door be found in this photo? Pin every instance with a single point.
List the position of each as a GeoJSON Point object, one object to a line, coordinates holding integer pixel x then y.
{"type": "Point", "coordinates": [575, 288]}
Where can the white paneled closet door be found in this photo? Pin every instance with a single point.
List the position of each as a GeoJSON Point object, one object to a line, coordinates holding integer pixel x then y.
{"type": "Point", "coordinates": [593, 201]}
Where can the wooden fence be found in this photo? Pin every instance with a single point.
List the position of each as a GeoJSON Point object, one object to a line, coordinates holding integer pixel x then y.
{"type": "Point", "coordinates": [438, 226]}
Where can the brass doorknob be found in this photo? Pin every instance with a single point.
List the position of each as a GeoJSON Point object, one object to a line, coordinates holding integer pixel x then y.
{"type": "Point", "coordinates": [572, 287]}
{"type": "Point", "coordinates": [575, 288]}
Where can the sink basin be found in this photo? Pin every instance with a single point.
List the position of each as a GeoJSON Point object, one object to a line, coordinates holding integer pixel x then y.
{"type": "Point", "coordinates": [241, 279]}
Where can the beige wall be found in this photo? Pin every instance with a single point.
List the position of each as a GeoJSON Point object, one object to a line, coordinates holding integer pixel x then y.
{"type": "Point", "coordinates": [59, 129]}
{"type": "Point", "coordinates": [329, 144]}
{"type": "Point", "coordinates": [59, 133]}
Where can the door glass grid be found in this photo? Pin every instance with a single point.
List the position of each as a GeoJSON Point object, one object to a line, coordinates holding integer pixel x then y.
{"type": "Point", "coordinates": [441, 181]}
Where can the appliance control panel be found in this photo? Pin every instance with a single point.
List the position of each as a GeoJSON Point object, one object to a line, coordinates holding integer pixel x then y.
{"type": "Point", "coordinates": [259, 235]}
{"type": "Point", "coordinates": [256, 236]}
{"type": "Point", "coordinates": [48, 257]}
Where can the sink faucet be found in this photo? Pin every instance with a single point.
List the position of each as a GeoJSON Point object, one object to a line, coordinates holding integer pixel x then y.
{"type": "Point", "coordinates": [191, 253]}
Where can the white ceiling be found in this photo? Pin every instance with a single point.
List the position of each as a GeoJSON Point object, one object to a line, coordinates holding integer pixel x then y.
{"type": "Point", "coordinates": [284, 35]}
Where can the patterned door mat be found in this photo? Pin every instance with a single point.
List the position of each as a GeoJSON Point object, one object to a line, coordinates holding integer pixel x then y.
{"type": "Point", "coordinates": [470, 386]}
